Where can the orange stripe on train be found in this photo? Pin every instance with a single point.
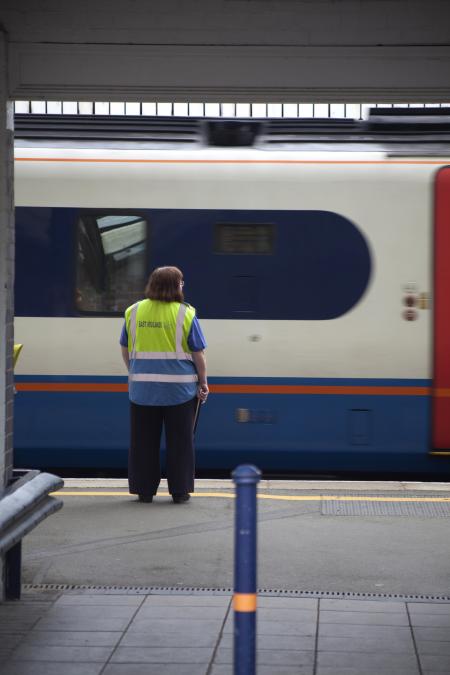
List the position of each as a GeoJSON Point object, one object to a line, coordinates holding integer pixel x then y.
{"type": "Point", "coordinates": [72, 386]}
{"type": "Point", "coordinates": [318, 389]}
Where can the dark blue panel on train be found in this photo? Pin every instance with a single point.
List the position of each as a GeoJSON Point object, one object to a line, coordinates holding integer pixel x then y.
{"type": "Point", "coordinates": [314, 265]}
{"type": "Point", "coordinates": [45, 261]}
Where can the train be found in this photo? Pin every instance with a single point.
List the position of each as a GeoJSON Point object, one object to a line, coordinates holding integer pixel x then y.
{"type": "Point", "coordinates": [316, 253]}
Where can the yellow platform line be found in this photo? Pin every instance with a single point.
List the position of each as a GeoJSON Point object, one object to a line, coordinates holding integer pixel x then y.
{"type": "Point", "coordinates": [290, 498]}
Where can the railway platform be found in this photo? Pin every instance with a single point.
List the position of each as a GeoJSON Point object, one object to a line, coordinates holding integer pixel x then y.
{"type": "Point", "coordinates": [354, 579]}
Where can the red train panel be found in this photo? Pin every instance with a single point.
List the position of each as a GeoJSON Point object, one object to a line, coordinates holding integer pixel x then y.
{"type": "Point", "coordinates": [441, 380]}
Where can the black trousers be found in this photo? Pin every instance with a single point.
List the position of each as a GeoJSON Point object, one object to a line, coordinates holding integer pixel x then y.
{"type": "Point", "coordinates": [144, 470]}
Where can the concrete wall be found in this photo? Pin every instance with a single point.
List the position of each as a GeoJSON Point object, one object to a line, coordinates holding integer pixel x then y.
{"type": "Point", "coordinates": [6, 274]}
{"type": "Point", "coordinates": [6, 281]}
{"type": "Point", "coordinates": [229, 50]}
{"type": "Point", "coordinates": [229, 22]}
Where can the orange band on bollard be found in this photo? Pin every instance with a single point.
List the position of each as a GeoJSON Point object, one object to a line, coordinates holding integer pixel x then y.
{"type": "Point", "coordinates": [244, 602]}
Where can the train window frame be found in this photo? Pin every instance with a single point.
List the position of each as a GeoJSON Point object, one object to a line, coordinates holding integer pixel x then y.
{"type": "Point", "coordinates": [100, 213]}
{"type": "Point", "coordinates": [272, 236]}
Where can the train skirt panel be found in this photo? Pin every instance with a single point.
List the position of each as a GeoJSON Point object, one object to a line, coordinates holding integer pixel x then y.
{"type": "Point", "coordinates": [282, 424]}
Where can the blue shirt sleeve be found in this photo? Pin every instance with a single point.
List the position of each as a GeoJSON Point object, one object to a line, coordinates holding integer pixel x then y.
{"type": "Point", "coordinates": [196, 340]}
{"type": "Point", "coordinates": [124, 336]}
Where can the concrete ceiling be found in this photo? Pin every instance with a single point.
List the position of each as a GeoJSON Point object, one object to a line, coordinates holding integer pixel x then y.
{"type": "Point", "coordinates": [229, 50]}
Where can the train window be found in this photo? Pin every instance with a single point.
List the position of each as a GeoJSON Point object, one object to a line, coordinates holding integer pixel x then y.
{"type": "Point", "coordinates": [244, 239]}
{"type": "Point", "coordinates": [111, 261]}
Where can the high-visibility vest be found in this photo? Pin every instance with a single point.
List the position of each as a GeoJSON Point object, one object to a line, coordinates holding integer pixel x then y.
{"type": "Point", "coordinates": [161, 370]}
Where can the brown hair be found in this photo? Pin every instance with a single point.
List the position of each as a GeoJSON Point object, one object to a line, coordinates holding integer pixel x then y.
{"type": "Point", "coordinates": [164, 285]}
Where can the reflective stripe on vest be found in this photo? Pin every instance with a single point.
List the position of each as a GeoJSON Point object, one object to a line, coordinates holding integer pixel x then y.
{"type": "Point", "coordinates": [133, 320]}
{"type": "Point", "coordinates": [153, 377]}
{"type": "Point", "coordinates": [163, 355]}
{"type": "Point", "coordinates": [179, 332]}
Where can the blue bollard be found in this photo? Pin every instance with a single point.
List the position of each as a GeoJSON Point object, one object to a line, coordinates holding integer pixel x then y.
{"type": "Point", "coordinates": [245, 477]}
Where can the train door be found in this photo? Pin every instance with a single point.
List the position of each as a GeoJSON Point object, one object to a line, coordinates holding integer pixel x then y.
{"type": "Point", "coordinates": [441, 376]}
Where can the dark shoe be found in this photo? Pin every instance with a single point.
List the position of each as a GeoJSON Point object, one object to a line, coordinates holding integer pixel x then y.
{"type": "Point", "coordinates": [147, 499]}
{"type": "Point", "coordinates": [179, 499]}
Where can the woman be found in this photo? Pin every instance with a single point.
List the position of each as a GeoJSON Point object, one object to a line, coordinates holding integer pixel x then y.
{"type": "Point", "coordinates": [163, 349]}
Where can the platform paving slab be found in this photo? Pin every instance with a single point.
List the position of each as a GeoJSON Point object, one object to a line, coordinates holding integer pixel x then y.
{"type": "Point", "coordinates": [184, 636]}
{"type": "Point", "coordinates": [193, 613]}
{"type": "Point", "coordinates": [271, 657]}
{"type": "Point", "coordinates": [63, 638]}
{"type": "Point", "coordinates": [144, 625]}
{"type": "Point", "coordinates": [48, 668]}
{"type": "Point", "coordinates": [62, 654]}
{"type": "Point", "coordinates": [79, 623]}
{"type": "Point", "coordinates": [100, 600]}
{"type": "Point", "coordinates": [355, 631]}
{"type": "Point", "coordinates": [180, 655]}
{"type": "Point", "coordinates": [267, 670]}
{"type": "Point", "coordinates": [172, 633]}
{"type": "Point", "coordinates": [155, 669]}
{"type": "Point", "coordinates": [431, 620]}
{"type": "Point", "coordinates": [433, 663]}
{"type": "Point", "coordinates": [364, 618]}
{"type": "Point", "coordinates": [275, 642]}
{"type": "Point", "coordinates": [282, 602]}
{"type": "Point", "coordinates": [178, 600]}
{"type": "Point", "coordinates": [358, 605]}
{"type": "Point", "coordinates": [391, 645]}
{"type": "Point", "coordinates": [375, 660]}
{"type": "Point", "coordinates": [274, 627]}
{"type": "Point", "coordinates": [423, 633]}
{"type": "Point", "coordinates": [363, 670]}
{"type": "Point", "coordinates": [433, 648]}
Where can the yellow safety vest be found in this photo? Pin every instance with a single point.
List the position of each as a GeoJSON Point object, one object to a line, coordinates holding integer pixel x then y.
{"type": "Point", "coordinates": [161, 370]}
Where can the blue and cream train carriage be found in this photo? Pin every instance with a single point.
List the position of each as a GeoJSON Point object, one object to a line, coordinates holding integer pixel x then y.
{"type": "Point", "coordinates": [315, 252]}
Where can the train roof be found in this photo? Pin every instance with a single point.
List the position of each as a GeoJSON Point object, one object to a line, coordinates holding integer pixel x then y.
{"type": "Point", "coordinates": [392, 131]}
